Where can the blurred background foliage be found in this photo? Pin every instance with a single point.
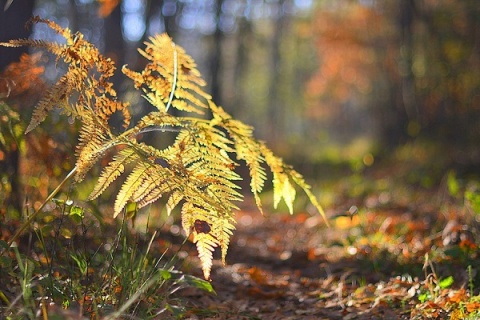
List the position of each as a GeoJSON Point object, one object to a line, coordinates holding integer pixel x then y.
{"type": "Point", "coordinates": [346, 82]}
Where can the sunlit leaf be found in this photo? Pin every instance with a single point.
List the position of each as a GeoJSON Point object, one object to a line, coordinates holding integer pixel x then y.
{"type": "Point", "coordinates": [199, 283]}
{"type": "Point", "coordinates": [446, 282]}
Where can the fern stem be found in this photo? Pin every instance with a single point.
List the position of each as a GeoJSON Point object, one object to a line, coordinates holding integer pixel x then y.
{"type": "Point", "coordinates": [145, 130]}
{"type": "Point", "coordinates": [50, 197]}
{"type": "Point", "coordinates": [175, 71]}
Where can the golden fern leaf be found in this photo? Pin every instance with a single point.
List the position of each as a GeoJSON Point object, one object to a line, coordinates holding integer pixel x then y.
{"type": "Point", "coordinates": [246, 149]}
{"type": "Point", "coordinates": [90, 148]}
{"type": "Point", "coordinates": [282, 188]}
{"type": "Point", "coordinates": [133, 182]}
{"type": "Point", "coordinates": [113, 170]}
{"type": "Point", "coordinates": [55, 48]}
{"type": "Point", "coordinates": [64, 32]}
{"type": "Point", "coordinates": [57, 94]}
{"type": "Point", "coordinates": [196, 169]}
{"type": "Point", "coordinates": [222, 231]}
{"type": "Point", "coordinates": [170, 78]}
{"type": "Point", "coordinates": [299, 180]}
{"type": "Point", "coordinates": [173, 201]}
{"type": "Point", "coordinates": [197, 221]}
{"type": "Point", "coordinates": [158, 182]}
{"type": "Point", "coordinates": [205, 244]}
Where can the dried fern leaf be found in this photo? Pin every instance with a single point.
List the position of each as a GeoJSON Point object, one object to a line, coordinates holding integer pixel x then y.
{"type": "Point", "coordinates": [57, 94]}
{"type": "Point", "coordinates": [90, 148]}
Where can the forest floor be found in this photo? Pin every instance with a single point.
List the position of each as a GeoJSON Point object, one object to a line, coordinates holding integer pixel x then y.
{"type": "Point", "coordinates": [393, 250]}
{"type": "Point", "coordinates": [408, 253]}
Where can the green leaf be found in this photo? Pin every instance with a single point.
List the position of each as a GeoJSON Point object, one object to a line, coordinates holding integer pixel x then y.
{"type": "Point", "coordinates": [81, 263]}
{"type": "Point", "coordinates": [165, 274]}
{"type": "Point", "coordinates": [423, 297]}
{"type": "Point", "coordinates": [474, 200]}
{"type": "Point", "coordinates": [76, 213]}
{"type": "Point", "coordinates": [199, 284]}
{"type": "Point", "coordinates": [446, 282]}
{"type": "Point", "coordinates": [131, 210]}
{"type": "Point", "coordinates": [452, 183]}
{"type": "Point", "coordinates": [4, 245]}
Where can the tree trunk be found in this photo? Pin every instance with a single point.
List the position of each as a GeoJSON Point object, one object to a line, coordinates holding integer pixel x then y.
{"type": "Point", "coordinates": [275, 113]}
{"type": "Point", "coordinates": [216, 57]}
{"type": "Point", "coordinates": [114, 43]}
{"type": "Point", "coordinates": [12, 26]}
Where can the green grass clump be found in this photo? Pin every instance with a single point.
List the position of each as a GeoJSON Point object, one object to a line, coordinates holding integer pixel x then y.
{"type": "Point", "coordinates": [70, 265]}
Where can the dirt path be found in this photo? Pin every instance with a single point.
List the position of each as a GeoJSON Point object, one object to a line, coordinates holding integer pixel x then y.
{"type": "Point", "coordinates": [293, 267]}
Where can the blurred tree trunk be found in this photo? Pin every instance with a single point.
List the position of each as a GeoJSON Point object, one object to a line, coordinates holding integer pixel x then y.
{"type": "Point", "coordinates": [403, 108]}
{"type": "Point", "coordinates": [12, 26]}
{"type": "Point", "coordinates": [407, 16]}
{"type": "Point", "coordinates": [216, 57]}
{"type": "Point", "coordinates": [244, 36]}
{"type": "Point", "coordinates": [114, 43]}
{"type": "Point", "coordinates": [276, 109]}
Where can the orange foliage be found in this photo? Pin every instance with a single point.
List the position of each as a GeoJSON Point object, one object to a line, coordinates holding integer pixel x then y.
{"type": "Point", "coordinates": [106, 7]}
{"type": "Point", "coordinates": [22, 79]}
{"type": "Point", "coordinates": [344, 40]}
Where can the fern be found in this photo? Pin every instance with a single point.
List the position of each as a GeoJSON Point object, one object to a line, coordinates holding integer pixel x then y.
{"type": "Point", "coordinates": [196, 171]}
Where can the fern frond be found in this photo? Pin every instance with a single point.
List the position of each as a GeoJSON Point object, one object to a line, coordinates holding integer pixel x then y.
{"type": "Point", "coordinates": [225, 226]}
{"type": "Point", "coordinates": [173, 201]}
{"type": "Point", "coordinates": [133, 182]}
{"type": "Point", "coordinates": [55, 48]}
{"type": "Point", "coordinates": [198, 222]}
{"type": "Point", "coordinates": [197, 170]}
{"type": "Point", "coordinates": [158, 181]}
{"type": "Point", "coordinates": [170, 78]}
{"type": "Point", "coordinates": [56, 95]}
{"type": "Point", "coordinates": [282, 188]}
{"type": "Point", "coordinates": [299, 180]}
{"type": "Point", "coordinates": [90, 148]}
{"type": "Point", "coordinates": [205, 244]}
{"type": "Point", "coordinates": [114, 169]}
{"type": "Point", "coordinates": [246, 148]}
{"type": "Point", "coordinates": [64, 32]}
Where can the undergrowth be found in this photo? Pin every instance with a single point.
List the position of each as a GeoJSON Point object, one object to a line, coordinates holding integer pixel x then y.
{"type": "Point", "coordinates": [70, 265]}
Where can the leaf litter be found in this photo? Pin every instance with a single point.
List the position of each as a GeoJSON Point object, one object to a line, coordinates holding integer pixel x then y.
{"type": "Point", "coordinates": [393, 259]}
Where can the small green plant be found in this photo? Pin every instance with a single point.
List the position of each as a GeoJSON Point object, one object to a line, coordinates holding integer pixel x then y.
{"type": "Point", "coordinates": [472, 197]}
